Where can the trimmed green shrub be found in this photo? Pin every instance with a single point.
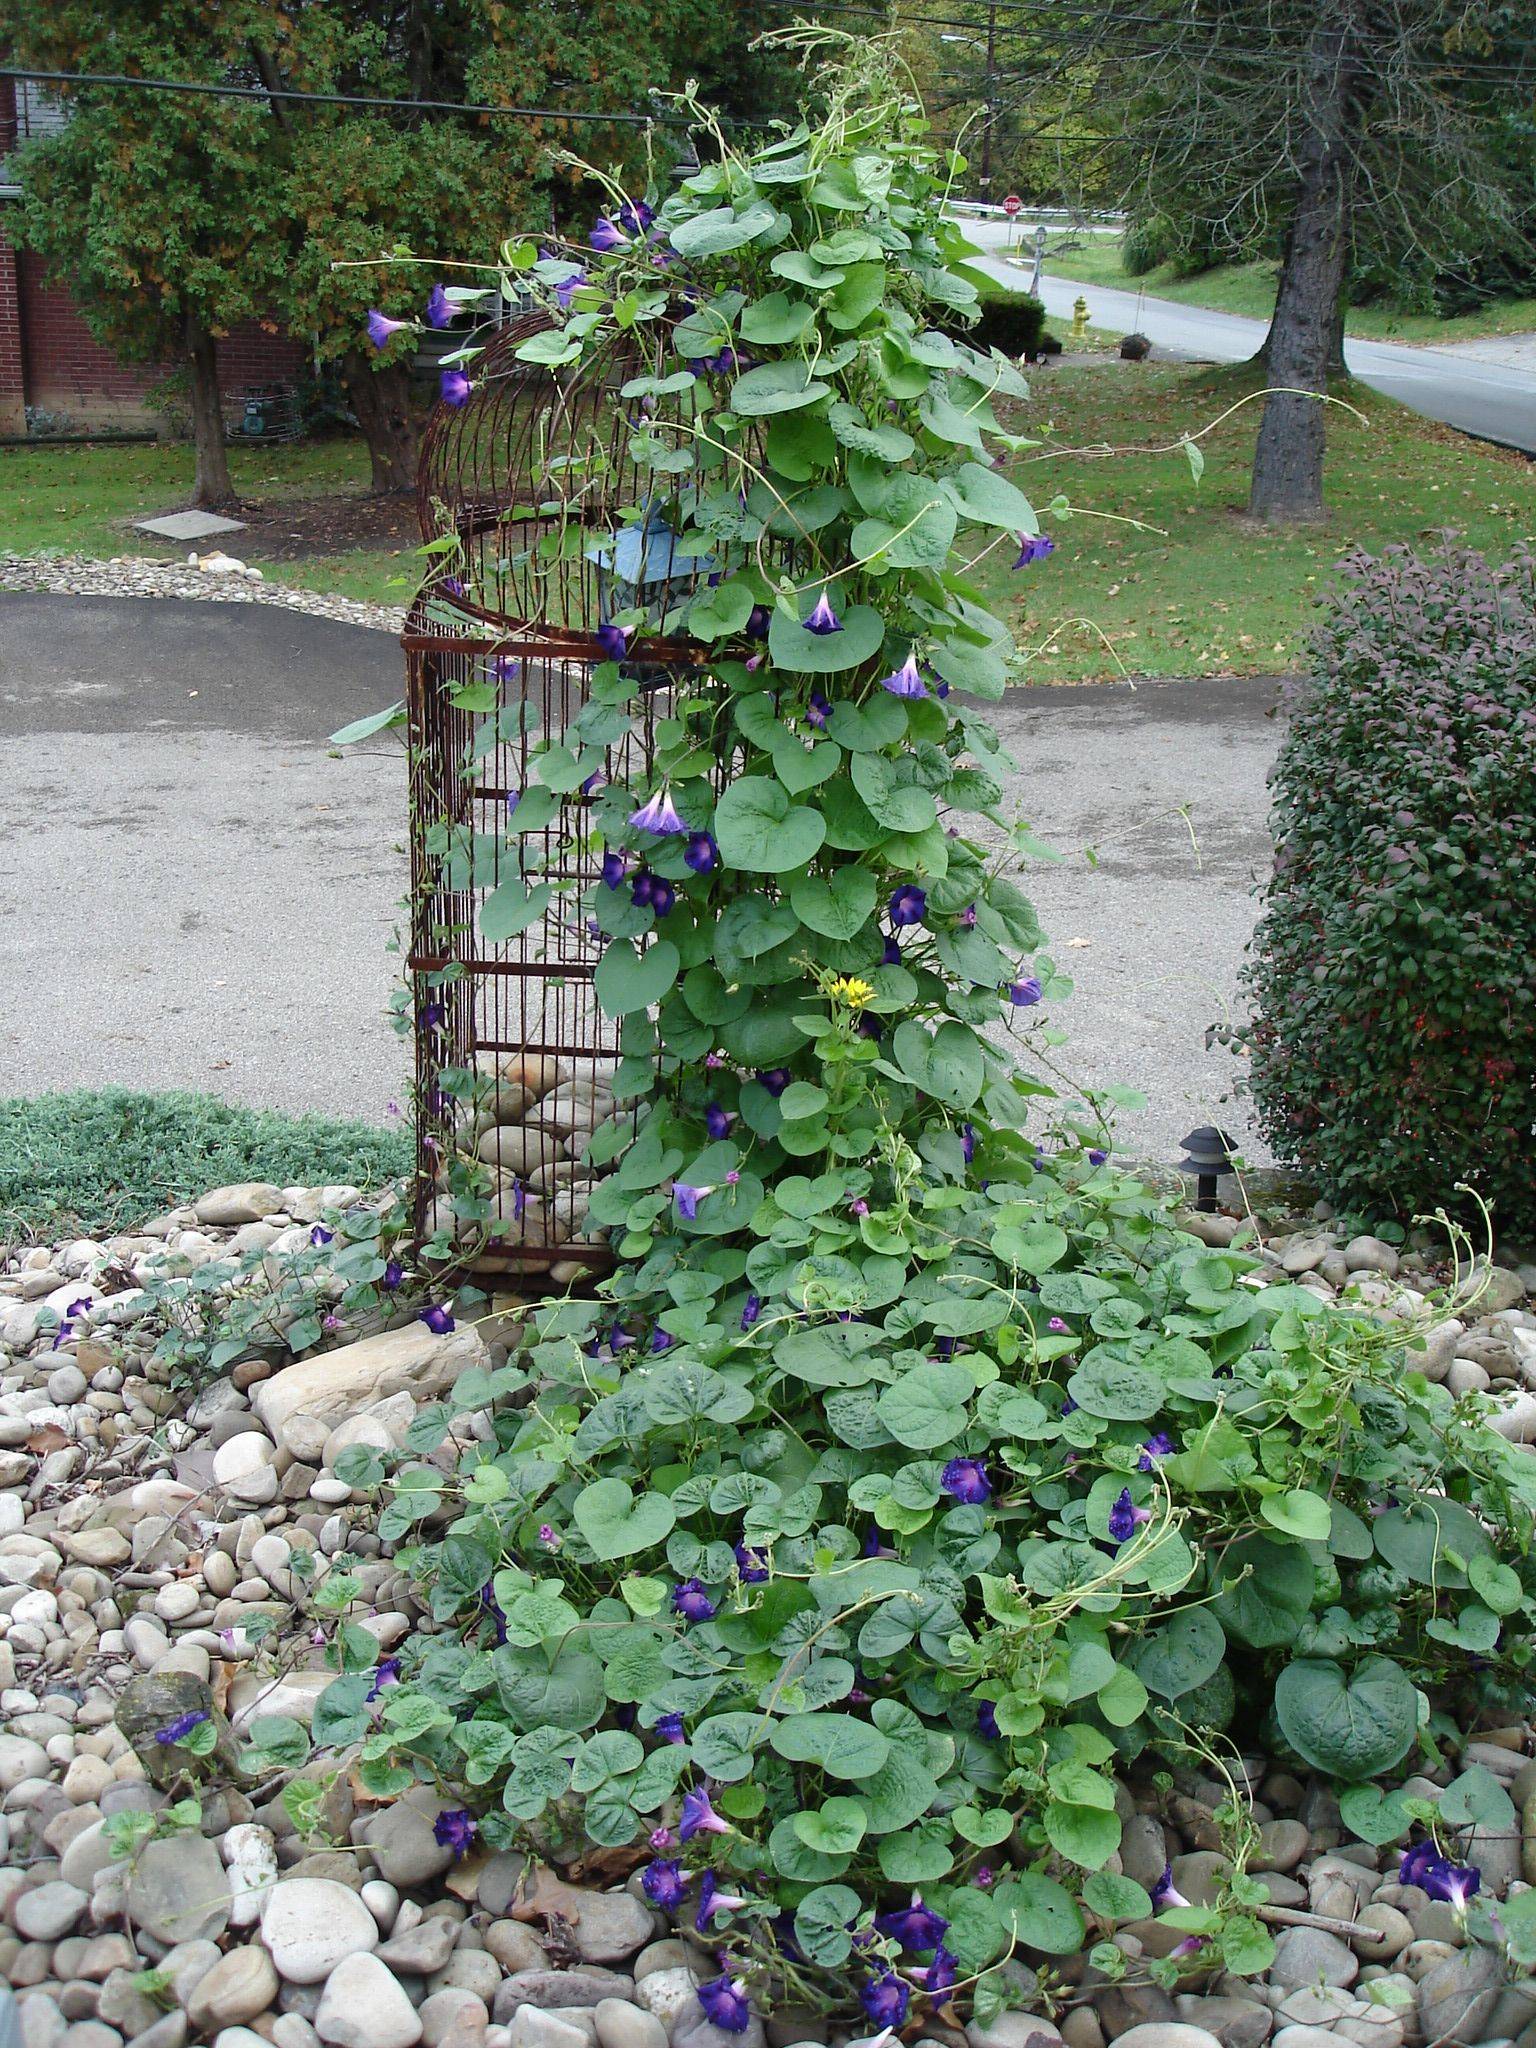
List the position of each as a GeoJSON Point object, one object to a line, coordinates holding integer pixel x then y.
{"type": "Point", "coordinates": [104, 1159]}
{"type": "Point", "coordinates": [1011, 322]}
{"type": "Point", "coordinates": [1394, 1042]}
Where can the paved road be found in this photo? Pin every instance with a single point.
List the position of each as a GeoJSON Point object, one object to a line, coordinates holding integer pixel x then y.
{"type": "Point", "coordinates": [198, 895]}
{"type": "Point", "coordinates": [1495, 400]}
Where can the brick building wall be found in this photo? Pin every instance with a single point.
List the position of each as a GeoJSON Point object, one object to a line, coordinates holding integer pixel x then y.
{"type": "Point", "coordinates": [64, 369]}
{"type": "Point", "coordinates": [50, 360]}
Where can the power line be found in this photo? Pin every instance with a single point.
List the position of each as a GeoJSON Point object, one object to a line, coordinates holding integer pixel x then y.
{"type": "Point", "coordinates": [338, 99]}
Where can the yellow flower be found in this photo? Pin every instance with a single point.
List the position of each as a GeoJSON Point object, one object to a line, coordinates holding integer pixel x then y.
{"type": "Point", "coordinates": [850, 990]}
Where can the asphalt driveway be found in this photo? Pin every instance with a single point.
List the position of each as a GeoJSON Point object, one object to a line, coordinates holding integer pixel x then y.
{"type": "Point", "coordinates": [198, 894]}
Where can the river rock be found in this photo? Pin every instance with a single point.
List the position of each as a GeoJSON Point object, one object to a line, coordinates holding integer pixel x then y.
{"type": "Point", "coordinates": [552, 1989]}
{"type": "Point", "coordinates": [1457, 1995]}
{"type": "Point", "coordinates": [178, 1889]}
{"type": "Point", "coordinates": [1168, 2034]}
{"type": "Point", "coordinates": [1305, 1954]}
{"type": "Point", "coordinates": [238, 1987]}
{"type": "Point", "coordinates": [310, 1924]}
{"type": "Point", "coordinates": [48, 1911]}
{"type": "Point", "coordinates": [243, 1468]}
{"type": "Point", "coordinates": [335, 1384]}
{"type": "Point", "coordinates": [1236, 2022]}
{"type": "Point", "coordinates": [404, 1847]}
{"type": "Point", "coordinates": [246, 1201]}
{"type": "Point", "coordinates": [362, 2006]}
{"type": "Point", "coordinates": [622, 2025]}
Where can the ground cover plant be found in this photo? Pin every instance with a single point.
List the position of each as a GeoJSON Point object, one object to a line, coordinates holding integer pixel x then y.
{"type": "Point", "coordinates": [914, 1474]}
{"type": "Point", "coordinates": [1394, 1053]}
{"type": "Point", "coordinates": [108, 1158]}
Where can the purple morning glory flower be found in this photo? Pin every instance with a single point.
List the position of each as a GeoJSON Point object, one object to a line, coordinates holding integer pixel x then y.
{"type": "Point", "coordinates": [606, 236]}
{"type": "Point", "coordinates": [885, 2000]}
{"type": "Point", "coordinates": [381, 328]}
{"type": "Point", "coordinates": [386, 1672]}
{"type": "Point", "coordinates": [726, 2004]}
{"type": "Point", "coordinates": [1033, 547]}
{"type": "Point", "coordinates": [712, 1901]}
{"type": "Point", "coordinates": [662, 1340]}
{"type": "Point", "coordinates": [393, 1276]}
{"type": "Point", "coordinates": [968, 1142]}
{"type": "Point", "coordinates": [438, 1319]}
{"type": "Point", "coordinates": [619, 1338]}
{"type": "Point", "coordinates": [687, 1199]}
{"type": "Point", "coordinates": [1159, 1446]}
{"type": "Point", "coordinates": [1097, 1156]}
{"type": "Point", "coordinates": [752, 1311]}
{"type": "Point", "coordinates": [965, 1480]}
{"type": "Point", "coordinates": [567, 289]}
{"type": "Point", "coordinates": [173, 1731]}
{"type": "Point", "coordinates": [439, 307]}
{"type": "Point", "coordinates": [909, 904]}
{"type": "Point", "coordinates": [775, 1080]}
{"type": "Point", "coordinates": [1191, 1945]}
{"type": "Point", "coordinates": [1418, 1858]}
{"type": "Point", "coordinates": [701, 853]}
{"type": "Point", "coordinates": [941, 1973]}
{"type": "Point", "coordinates": [818, 710]}
{"type": "Point", "coordinates": [454, 388]}
{"type": "Point", "coordinates": [613, 640]}
{"type": "Point", "coordinates": [914, 1926]}
{"type": "Point", "coordinates": [944, 1347]}
{"type": "Point", "coordinates": [1024, 992]}
{"type": "Point", "coordinates": [1454, 1883]}
{"type": "Point", "coordinates": [319, 1236]}
{"type": "Point", "coordinates": [821, 619]}
{"type": "Point", "coordinates": [756, 627]}
{"type": "Point", "coordinates": [891, 956]}
{"type": "Point", "coordinates": [751, 1564]}
{"type": "Point", "coordinates": [1068, 1406]}
{"type": "Point", "coordinates": [663, 896]}
{"type": "Point", "coordinates": [718, 1121]}
{"type": "Point", "coordinates": [1165, 1892]}
{"type": "Point", "coordinates": [1125, 1517]}
{"type": "Point", "coordinates": [692, 1602]}
{"type": "Point", "coordinates": [615, 867]}
{"type": "Point", "coordinates": [644, 886]}
{"type": "Point", "coordinates": [670, 1727]}
{"type": "Point", "coordinates": [514, 798]}
{"type": "Point", "coordinates": [986, 1720]}
{"type": "Point", "coordinates": [906, 681]}
{"type": "Point", "coordinates": [635, 216]}
{"type": "Point", "coordinates": [663, 1884]}
{"type": "Point", "coordinates": [659, 815]}
{"type": "Point", "coordinates": [492, 1607]}
{"type": "Point", "coordinates": [455, 1830]}
{"type": "Point", "coordinates": [700, 1818]}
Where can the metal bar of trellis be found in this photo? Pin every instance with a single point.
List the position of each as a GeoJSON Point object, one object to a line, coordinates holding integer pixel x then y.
{"type": "Point", "coordinates": [552, 525]}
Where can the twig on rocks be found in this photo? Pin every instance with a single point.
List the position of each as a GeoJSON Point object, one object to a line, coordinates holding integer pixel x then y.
{"type": "Point", "coordinates": [1290, 1916]}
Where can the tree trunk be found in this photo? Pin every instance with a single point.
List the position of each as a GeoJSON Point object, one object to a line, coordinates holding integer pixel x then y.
{"type": "Point", "coordinates": [213, 488]}
{"type": "Point", "coordinates": [1288, 460]}
{"type": "Point", "coordinates": [382, 401]}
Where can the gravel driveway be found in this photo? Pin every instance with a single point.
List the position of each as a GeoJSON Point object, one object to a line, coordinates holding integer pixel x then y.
{"type": "Point", "coordinates": [198, 895]}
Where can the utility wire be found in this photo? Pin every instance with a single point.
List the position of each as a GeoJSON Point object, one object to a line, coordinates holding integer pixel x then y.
{"type": "Point", "coordinates": [337, 99]}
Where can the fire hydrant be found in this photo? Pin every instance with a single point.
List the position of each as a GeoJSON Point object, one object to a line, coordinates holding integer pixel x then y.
{"type": "Point", "coordinates": [1080, 320]}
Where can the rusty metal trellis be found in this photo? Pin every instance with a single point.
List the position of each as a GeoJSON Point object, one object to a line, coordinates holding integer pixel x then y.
{"type": "Point", "coordinates": [533, 484]}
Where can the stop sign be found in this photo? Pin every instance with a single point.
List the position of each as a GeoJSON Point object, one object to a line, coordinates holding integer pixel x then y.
{"type": "Point", "coordinates": [1013, 204]}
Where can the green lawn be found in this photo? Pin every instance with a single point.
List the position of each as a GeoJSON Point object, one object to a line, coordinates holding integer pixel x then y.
{"type": "Point", "coordinates": [1206, 594]}
{"type": "Point", "coordinates": [83, 499]}
{"type": "Point", "coordinates": [1210, 594]}
{"type": "Point", "coordinates": [1250, 288]}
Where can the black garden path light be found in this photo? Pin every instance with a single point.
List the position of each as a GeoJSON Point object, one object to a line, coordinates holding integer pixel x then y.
{"type": "Point", "coordinates": [1207, 1154]}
